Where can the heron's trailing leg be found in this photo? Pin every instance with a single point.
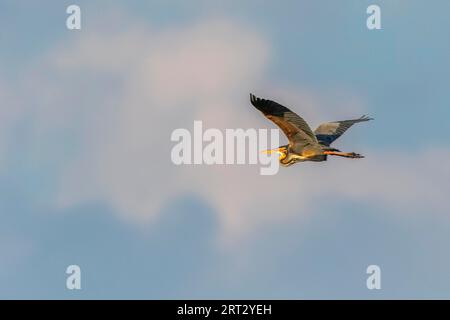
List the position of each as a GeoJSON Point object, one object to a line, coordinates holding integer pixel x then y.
{"type": "Point", "coordinates": [344, 154]}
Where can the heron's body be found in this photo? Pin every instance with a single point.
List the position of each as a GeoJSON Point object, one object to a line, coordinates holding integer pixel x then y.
{"type": "Point", "coordinates": [304, 144]}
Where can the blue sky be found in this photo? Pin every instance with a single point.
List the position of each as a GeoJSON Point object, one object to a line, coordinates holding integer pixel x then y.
{"type": "Point", "coordinates": [85, 172]}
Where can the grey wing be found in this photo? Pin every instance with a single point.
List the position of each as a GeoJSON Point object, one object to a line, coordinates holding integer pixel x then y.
{"type": "Point", "coordinates": [294, 127]}
{"type": "Point", "coordinates": [328, 132]}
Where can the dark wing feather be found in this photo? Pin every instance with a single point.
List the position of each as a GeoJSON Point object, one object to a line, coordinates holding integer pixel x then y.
{"type": "Point", "coordinates": [293, 126]}
{"type": "Point", "coordinates": [328, 132]}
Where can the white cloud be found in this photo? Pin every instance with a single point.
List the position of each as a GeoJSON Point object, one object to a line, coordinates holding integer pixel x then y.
{"type": "Point", "coordinates": [176, 77]}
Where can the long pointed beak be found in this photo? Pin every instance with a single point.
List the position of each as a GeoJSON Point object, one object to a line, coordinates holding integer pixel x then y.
{"type": "Point", "coordinates": [272, 151]}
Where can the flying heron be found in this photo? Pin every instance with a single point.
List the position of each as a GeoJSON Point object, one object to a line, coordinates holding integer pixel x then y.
{"type": "Point", "coordinates": [304, 144]}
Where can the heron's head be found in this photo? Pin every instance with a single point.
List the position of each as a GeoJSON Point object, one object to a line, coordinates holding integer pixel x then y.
{"type": "Point", "coordinates": [282, 151]}
{"type": "Point", "coordinates": [283, 154]}
{"type": "Point", "coordinates": [288, 159]}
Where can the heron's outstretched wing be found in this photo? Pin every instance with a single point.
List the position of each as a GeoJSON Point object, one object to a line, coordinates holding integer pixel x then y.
{"type": "Point", "coordinates": [293, 126]}
{"type": "Point", "coordinates": [328, 132]}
